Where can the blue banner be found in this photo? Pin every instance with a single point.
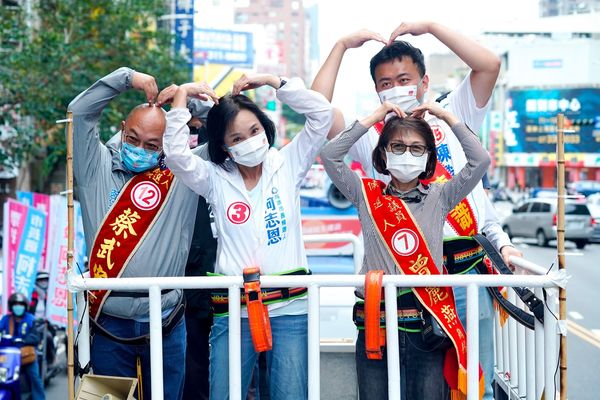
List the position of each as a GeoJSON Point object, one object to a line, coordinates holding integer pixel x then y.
{"type": "Point", "coordinates": [184, 31]}
{"type": "Point", "coordinates": [30, 252]}
{"type": "Point", "coordinates": [224, 47]}
{"type": "Point", "coordinates": [530, 125]}
{"type": "Point", "coordinates": [25, 198]}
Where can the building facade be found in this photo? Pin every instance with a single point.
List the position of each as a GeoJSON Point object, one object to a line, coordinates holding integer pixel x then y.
{"type": "Point", "coordinates": [553, 8]}
{"type": "Point", "coordinates": [285, 23]}
{"type": "Point", "coordinates": [547, 70]}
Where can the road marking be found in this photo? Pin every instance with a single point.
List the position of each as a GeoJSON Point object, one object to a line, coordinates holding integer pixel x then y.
{"type": "Point", "coordinates": [575, 315]}
{"type": "Point", "coordinates": [583, 333]}
{"type": "Point", "coordinates": [596, 332]}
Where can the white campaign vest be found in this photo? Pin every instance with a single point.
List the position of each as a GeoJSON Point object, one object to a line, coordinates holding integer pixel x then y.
{"type": "Point", "coordinates": [264, 234]}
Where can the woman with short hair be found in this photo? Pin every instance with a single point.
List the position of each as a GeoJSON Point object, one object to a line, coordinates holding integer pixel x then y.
{"type": "Point", "coordinates": [402, 224]}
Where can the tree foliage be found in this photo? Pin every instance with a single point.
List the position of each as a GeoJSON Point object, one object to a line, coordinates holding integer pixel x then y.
{"type": "Point", "coordinates": [64, 46]}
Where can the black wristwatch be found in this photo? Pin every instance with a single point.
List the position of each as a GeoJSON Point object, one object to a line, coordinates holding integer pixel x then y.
{"type": "Point", "coordinates": [281, 82]}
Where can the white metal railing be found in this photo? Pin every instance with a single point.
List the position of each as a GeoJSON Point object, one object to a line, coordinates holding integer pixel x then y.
{"type": "Point", "coordinates": [506, 351]}
{"type": "Point", "coordinates": [526, 359]}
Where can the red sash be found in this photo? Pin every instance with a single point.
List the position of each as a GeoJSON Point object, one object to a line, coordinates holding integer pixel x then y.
{"type": "Point", "coordinates": [406, 244]}
{"type": "Point", "coordinates": [126, 224]}
{"type": "Point", "coordinates": [461, 218]}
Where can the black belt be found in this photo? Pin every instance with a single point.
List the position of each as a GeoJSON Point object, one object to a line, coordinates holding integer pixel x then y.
{"type": "Point", "coordinates": [409, 316]}
{"type": "Point", "coordinates": [220, 297]}
{"type": "Point", "coordinates": [462, 254]}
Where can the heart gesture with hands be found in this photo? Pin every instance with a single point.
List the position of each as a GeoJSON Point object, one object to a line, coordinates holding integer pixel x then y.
{"type": "Point", "coordinates": [178, 96]}
{"type": "Point", "coordinates": [358, 38]}
{"type": "Point", "coordinates": [380, 112]}
{"type": "Point", "coordinates": [253, 81]}
{"type": "Point", "coordinates": [435, 109]}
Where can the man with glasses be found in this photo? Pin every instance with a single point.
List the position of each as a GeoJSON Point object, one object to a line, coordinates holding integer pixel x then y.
{"type": "Point", "coordinates": [399, 76]}
{"type": "Point", "coordinates": [137, 223]}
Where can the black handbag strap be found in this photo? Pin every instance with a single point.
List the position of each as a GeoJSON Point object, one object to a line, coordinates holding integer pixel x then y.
{"type": "Point", "coordinates": [535, 305]}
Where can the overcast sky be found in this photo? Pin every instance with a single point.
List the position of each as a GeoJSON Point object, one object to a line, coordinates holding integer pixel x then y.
{"type": "Point", "coordinates": [338, 18]}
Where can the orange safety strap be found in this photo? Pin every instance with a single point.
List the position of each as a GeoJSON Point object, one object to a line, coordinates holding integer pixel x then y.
{"type": "Point", "coordinates": [374, 334]}
{"type": "Point", "coordinates": [258, 313]}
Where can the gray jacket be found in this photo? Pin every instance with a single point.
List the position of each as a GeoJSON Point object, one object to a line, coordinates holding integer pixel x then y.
{"type": "Point", "coordinates": [99, 177]}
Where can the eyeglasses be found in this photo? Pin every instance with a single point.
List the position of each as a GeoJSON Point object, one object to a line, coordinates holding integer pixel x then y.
{"type": "Point", "coordinates": [416, 150]}
{"type": "Point", "coordinates": [132, 140]}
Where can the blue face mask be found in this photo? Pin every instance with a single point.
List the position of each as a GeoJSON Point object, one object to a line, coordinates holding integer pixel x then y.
{"type": "Point", "coordinates": [18, 310]}
{"type": "Point", "coordinates": [138, 159]}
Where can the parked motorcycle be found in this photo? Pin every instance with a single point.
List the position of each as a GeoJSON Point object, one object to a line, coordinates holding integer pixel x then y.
{"type": "Point", "coordinates": [10, 368]}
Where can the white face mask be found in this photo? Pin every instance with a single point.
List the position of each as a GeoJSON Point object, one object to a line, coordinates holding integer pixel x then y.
{"type": "Point", "coordinates": [251, 151]}
{"type": "Point", "coordinates": [405, 167]}
{"type": "Point", "coordinates": [403, 96]}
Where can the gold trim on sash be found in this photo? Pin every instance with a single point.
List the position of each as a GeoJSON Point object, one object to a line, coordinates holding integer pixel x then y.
{"type": "Point", "coordinates": [125, 226]}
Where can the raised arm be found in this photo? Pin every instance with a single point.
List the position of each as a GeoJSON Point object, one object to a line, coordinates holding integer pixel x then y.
{"type": "Point", "coordinates": [484, 64]}
{"type": "Point", "coordinates": [499, 239]}
{"type": "Point", "coordinates": [87, 107]}
{"type": "Point", "coordinates": [302, 151]}
{"type": "Point", "coordinates": [325, 79]}
{"type": "Point", "coordinates": [192, 170]}
{"type": "Point", "coordinates": [478, 159]}
{"type": "Point", "coordinates": [332, 155]}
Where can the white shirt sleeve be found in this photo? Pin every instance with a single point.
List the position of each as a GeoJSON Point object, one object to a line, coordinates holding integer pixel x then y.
{"type": "Point", "coordinates": [492, 229]}
{"type": "Point", "coordinates": [193, 171]}
{"type": "Point", "coordinates": [461, 102]}
{"type": "Point", "coordinates": [302, 151]}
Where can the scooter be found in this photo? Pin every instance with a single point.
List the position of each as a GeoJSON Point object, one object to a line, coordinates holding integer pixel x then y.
{"type": "Point", "coordinates": [10, 368]}
{"type": "Point", "coordinates": [47, 351]}
{"type": "Point", "coordinates": [52, 337]}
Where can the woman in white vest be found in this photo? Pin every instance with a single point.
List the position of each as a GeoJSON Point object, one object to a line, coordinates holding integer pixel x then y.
{"type": "Point", "coordinates": [253, 189]}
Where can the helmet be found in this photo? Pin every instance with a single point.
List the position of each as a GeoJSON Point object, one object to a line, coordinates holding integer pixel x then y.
{"type": "Point", "coordinates": [17, 298]}
{"type": "Point", "coordinates": [42, 275]}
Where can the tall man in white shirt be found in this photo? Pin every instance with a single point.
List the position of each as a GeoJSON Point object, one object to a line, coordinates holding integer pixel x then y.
{"type": "Point", "coordinates": [399, 75]}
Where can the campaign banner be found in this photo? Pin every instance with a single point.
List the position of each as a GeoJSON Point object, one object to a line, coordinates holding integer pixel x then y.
{"type": "Point", "coordinates": [15, 216]}
{"type": "Point", "coordinates": [29, 253]}
{"type": "Point", "coordinates": [56, 303]}
{"type": "Point", "coordinates": [530, 123]}
{"type": "Point", "coordinates": [41, 202]}
{"type": "Point", "coordinates": [317, 221]}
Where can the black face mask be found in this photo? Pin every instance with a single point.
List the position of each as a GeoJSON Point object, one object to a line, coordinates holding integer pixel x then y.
{"type": "Point", "coordinates": [201, 133]}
